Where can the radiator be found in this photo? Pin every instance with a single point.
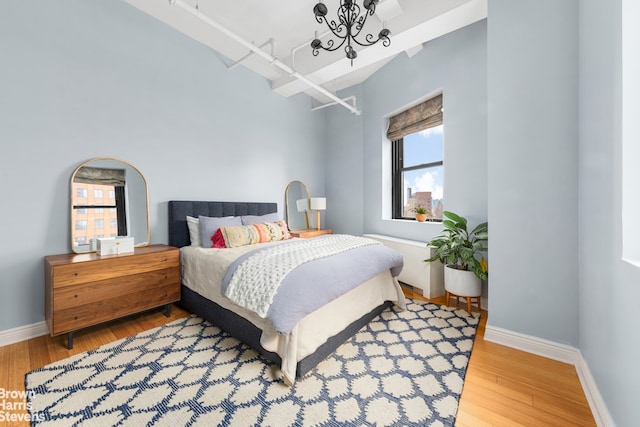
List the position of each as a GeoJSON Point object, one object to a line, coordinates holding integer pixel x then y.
{"type": "Point", "coordinates": [426, 278]}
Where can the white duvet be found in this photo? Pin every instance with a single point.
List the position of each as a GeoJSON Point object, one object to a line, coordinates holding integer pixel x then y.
{"type": "Point", "coordinates": [203, 270]}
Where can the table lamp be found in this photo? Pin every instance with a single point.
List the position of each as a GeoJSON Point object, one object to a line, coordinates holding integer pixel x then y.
{"type": "Point", "coordinates": [318, 204]}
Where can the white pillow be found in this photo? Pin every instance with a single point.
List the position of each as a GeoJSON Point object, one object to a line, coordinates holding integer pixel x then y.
{"type": "Point", "coordinates": [194, 230]}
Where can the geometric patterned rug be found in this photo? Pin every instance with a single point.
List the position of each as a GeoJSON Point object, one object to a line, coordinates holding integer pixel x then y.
{"type": "Point", "coordinates": [404, 368]}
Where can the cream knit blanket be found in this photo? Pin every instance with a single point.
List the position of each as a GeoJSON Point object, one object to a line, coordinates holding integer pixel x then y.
{"type": "Point", "coordinates": [258, 275]}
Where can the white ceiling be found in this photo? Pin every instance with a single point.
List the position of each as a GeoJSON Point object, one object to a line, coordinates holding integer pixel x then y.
{"type": "Point", "coordinates": [291, 25]}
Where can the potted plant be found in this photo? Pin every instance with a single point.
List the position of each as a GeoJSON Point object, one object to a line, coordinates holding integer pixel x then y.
{"type": "Point", "coordinates": [421, 213]}
{"type": "Point", "coordinates": [461, 253]}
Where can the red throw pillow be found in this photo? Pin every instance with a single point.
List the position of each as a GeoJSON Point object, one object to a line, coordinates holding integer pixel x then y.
{"type": "Point", "coordinates": [218, 240]}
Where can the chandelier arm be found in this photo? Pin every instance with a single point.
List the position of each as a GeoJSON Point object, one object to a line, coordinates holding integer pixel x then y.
{"type": "Point", "coordinates": [359, 24]}
{"type": "Point", "coordinates": [334, 27]}
{"type": "Point", "coordinates": [367, 43]}
{"type": "Point", "coordinates": [386, 42]}
{"type": "Point", "coordinates": [329, 47]}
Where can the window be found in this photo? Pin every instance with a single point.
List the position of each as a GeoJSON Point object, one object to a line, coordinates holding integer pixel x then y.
{"type": "Point", "coordinates": [417, 136]}
{"type": "Point", "coordinates": [418, 171]}
{"type": "Point", "coordinates": [101, 216]}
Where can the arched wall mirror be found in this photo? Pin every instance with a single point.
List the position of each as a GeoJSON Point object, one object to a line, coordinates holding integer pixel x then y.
{"type": "Point", "coordinates": [298, 205]}
{"type": "Point", "coordinates": [109, 197]}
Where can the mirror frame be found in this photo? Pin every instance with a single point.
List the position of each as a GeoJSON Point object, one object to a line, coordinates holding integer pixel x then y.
{"type": "Point", "coordinates": [146, 201]}
{"type": "Point", "coordinates": [286, 201]}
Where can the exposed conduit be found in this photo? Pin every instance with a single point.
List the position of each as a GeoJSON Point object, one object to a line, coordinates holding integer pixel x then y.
{"type": "Point", "coordinates": [270, 42]}
{"type": "Point", "coordinates": [258, 51]}
{"type": "Point", "coordinates": [349, 98]}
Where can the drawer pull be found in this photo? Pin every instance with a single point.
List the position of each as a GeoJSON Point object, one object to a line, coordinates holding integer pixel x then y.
{"type": "Point", "coordinates": [75, 274]}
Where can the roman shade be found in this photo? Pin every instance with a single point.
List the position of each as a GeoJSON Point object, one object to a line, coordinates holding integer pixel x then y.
{"type": "Point", "coordinates": [423, 116]}
{"type": "Point", "coordinates": [91, 175]}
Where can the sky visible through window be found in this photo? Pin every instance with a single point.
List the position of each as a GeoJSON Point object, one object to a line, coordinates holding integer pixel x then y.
{"type": "Point", "coordinates": [419, 148]}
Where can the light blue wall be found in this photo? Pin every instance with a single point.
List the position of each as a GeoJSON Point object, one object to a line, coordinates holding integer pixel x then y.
{"type": "Point", "coordinates": [454, 64]}
{"type": "Point", "coordinates": [345, 175]}
{"type": "Point", "coordinates": [609, 287]}
{"type": "Point", "coordinates": [533, 167]}
{"type": "Point", "coordinates": [88, 78]}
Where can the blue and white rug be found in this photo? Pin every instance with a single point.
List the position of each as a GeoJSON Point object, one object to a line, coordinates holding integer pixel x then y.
{"type": "Point", "coordinates": [404, 368]}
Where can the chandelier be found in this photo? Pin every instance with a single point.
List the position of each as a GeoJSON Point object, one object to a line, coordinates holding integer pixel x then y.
{"type": "Point", "coordinates": [348, 28]}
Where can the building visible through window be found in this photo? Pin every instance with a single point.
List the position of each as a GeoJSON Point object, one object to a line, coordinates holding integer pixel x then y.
{"type": "Point", "coordinates": [422, 174]}
{"type": "Point", "coordinates": [95, 215]}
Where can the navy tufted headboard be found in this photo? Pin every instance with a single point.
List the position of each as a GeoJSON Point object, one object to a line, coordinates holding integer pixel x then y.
{"type": "Point", "coordinates": [179, 209]}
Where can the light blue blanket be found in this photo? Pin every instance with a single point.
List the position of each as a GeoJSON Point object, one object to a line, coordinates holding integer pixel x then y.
{"type": "Point", "coordinates": [315, 283]}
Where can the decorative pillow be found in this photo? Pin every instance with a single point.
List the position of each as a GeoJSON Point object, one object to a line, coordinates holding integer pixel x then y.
{"type": "Point", "coordinates": [259, 219]}
{"type": "Point", "coordinates": [218, 240]}
{"type": "Point", "coordinates": [194, 230]}
{"type": "Point", "coordinates": [209, 225]}
{"type": "Point", "coordinates": [255, 233]}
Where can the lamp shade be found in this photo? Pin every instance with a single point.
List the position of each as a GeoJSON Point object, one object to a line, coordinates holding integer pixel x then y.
{"type": "Point", "coordinates": [318, 203]}
{"type": "Point", "coordinates": [302, 205]}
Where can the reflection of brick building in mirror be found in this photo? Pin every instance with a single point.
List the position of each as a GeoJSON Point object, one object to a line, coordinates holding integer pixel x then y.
{"type": "Point", "coordinates": [423, 198]}
{"type": "Point", "coordinates": [89, 222]}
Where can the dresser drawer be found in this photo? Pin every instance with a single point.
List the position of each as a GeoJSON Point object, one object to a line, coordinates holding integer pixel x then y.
{"type": "Point", "coordinates": [87, 293]}
{"type": "Point", "coordinates": [81, 316]}
{"type": "Point", "coordinates": [110, 267]}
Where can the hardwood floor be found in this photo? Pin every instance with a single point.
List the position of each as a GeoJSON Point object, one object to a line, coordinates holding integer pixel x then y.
{"type": "Point", "coordinates": [503, 386]}
{"type": "Point", "coordinates": [508, 387]}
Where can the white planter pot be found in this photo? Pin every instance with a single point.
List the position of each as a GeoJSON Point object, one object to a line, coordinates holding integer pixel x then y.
{"type": "Point", "coordinates": [463, 283]}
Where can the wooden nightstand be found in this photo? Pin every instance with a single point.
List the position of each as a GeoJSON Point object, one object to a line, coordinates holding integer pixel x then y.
{"type": "Point", "coordinates": [82, 290]}
{"type": "Point", "coordinates": [305, 233]}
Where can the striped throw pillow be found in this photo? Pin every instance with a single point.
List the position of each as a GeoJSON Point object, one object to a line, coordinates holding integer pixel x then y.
{"type": "Point", "coordinates": [235, 236]}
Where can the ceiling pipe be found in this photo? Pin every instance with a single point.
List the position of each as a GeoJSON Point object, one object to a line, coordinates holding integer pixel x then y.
{"type": "Point", "coordinates": [271, 42]}
{"type": "Point", "coordinates": [258, 51]}
{"type": "Point", "coordinates": [351, 98]}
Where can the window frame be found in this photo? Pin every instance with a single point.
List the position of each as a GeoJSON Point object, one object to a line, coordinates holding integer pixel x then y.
{"type": "Point", "coordinates": [397, 171]}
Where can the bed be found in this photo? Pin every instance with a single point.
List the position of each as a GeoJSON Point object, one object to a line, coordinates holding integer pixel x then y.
{"type": "Point", "coordinates": [313, 338]}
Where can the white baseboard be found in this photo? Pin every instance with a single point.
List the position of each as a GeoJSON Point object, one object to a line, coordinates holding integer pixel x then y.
{"type": "Point", "coordinates": [530, 344]}
{"type": "Point", "coordinates": [562, 353]}
{"type": "Point", "coordinates": [23, 333]}
{"type": "Point", "coordinates": [596, 402]}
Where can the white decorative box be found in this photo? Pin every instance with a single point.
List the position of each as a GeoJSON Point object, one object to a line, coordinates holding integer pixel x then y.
{"type": "Point", "coordinates": [115, 245]}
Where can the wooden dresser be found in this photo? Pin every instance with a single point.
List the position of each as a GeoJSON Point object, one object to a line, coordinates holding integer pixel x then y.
{"type": "Point", "coordinates": [82, 290]}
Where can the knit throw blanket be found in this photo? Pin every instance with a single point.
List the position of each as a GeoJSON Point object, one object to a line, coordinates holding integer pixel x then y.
{"type": "Point", "coordinates": [252, 281]}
